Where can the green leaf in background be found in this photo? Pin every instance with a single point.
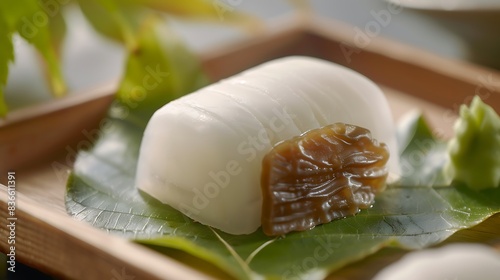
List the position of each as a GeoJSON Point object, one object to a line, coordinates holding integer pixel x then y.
{"type": "Point", "coordinates": [160, 69]}
{"type": "Point", "coordinates": [31, 20]}
{"type": "Point", "coordinates": [101, 192]}
{"type": "Point", "coordinates": [57, 28]}
{"type": "Point", "coordinates": [6, 56]}
{"type": "Point", "coordinates": [42, 25]}
{"type": "Point", "coordinates": [217, 11]}
{"type": "Point", "coordinates": [122, 20]}
{"type": "Point", "coordinates": [117, 21]}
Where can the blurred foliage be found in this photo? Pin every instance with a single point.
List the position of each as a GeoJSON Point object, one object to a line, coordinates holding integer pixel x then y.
{"type": "Point", "coordinates": [129, 22]}
{"type": "Point", "coordinates": [28, 19]}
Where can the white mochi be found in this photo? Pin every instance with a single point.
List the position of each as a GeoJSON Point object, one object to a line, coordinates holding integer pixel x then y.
{"type": "Point", "coordinates": [202, 153]}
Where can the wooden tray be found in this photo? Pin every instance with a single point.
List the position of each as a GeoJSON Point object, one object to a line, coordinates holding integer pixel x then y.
{"type": "Point", "coordinates": [37, 144]}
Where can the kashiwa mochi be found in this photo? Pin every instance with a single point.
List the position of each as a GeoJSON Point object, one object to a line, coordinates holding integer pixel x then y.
{"type": "Point", "coordinates": [202, 153]}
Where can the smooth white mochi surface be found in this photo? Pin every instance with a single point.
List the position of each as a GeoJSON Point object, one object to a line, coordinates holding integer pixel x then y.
{"type": "Point", "coordinates": [202, 153]}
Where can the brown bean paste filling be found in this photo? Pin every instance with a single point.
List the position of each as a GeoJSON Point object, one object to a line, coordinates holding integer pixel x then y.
{"type": "Point", "coordinates": [325, 174]}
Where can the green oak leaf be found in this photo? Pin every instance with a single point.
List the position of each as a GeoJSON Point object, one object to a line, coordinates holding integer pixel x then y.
{"type": "Point", "coordinates": [413, 214]}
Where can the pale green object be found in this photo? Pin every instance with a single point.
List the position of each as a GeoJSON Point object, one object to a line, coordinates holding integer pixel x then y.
{"type": "Point", "coordinates": [475, 150]}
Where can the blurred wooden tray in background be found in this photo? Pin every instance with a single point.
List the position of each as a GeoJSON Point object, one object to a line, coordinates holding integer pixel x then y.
{"type": "Point", "coordinates": [38, 143]}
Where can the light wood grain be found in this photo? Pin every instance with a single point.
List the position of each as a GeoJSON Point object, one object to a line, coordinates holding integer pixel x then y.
{"type": "Point", "coordinates": [50, 240]}
{"type": "Point", "coordinates": [31, 135]}
{"type": "Point", "coordinates": [64, 247]}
